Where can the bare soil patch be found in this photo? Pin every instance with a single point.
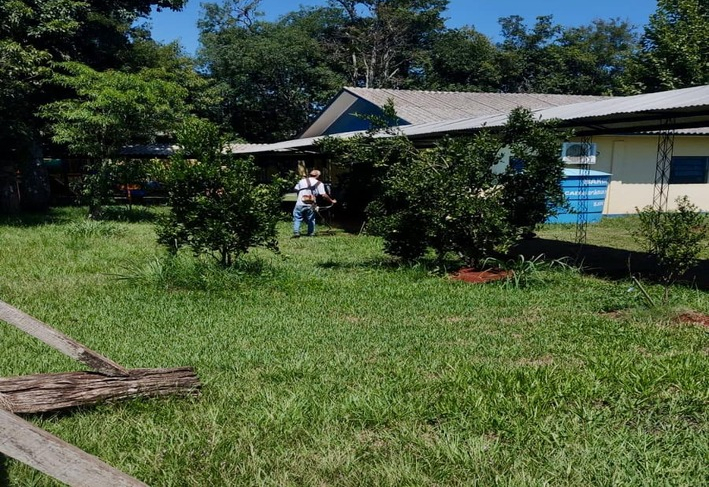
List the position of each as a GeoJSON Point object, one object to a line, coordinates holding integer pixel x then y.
{"type": "Point", "coordinates": [476, 276]}
{"type": "Point", "coordinates": [694, 318]}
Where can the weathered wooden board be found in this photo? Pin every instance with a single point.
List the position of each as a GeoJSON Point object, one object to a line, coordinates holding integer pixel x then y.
{"type": "Point", "coordinates": [52, 392]}
{"type": "Point", "coordinates": [40, 450]}
{"type": "Point", "coordinates": [59, 341]}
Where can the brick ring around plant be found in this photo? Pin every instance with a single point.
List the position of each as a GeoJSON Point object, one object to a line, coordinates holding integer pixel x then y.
{"type": "Point", "coordinates": [479, 277]}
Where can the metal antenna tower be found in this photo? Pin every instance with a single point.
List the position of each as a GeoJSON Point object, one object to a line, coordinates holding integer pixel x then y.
{"type": "Point", "coordinates": [584, 171]}
{"type": "Point", "coordinates": [665, 149]}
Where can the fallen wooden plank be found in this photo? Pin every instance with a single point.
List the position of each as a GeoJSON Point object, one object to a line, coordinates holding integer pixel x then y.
{"type": "Point", "coordinates": [44, 452]}
{"type": "Point", "coordinates": [52, 392]}
{"type": "Point", "coordinates": [59, 341]}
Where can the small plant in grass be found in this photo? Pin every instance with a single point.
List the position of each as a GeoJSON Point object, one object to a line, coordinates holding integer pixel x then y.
{"type": "Point", "coordinates": [674, 238]}
{"type": "Point", "coordinates": [178, 271]}
{"type": "Point", "coordinates": [217, 206]}
{"type": "Point", "coordinates": [92, 228]}
{"type": "Point", "coordinates": [522, 271]}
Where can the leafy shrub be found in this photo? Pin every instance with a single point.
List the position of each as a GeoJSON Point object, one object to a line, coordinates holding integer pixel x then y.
{"type": "Point", "coordinates": [367, 159]}
{"type": "Point", "coordinates": [443, 199]}
{"type": "Point", "coordinates": [217, 206]}
{"type": "Point", "coordinates": [530, 193]}
{"type": "Point", "coordinates": [674, 238]}
{"type": "Point", "coordinates": [448, 198]}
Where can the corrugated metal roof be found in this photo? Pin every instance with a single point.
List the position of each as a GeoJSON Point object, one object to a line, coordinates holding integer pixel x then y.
{"type": "Point", "coordinates": [149, 150]}
{"type": "Point", "coordinates": [429, 106]}
{"type": "Point", "coordinates": [694, 131]}
{"type": "Point", "coordinates": [694, 97]}
{"type": "Point", "coordinates": [688, 106]}
{"type": "Point", "coordinates": [239, 148]}
{"type": "Point", "coordinates": [639, 113]}
{"type": "Point", "coordinates": [285, 146]}
{"type": "Point", "coordinates": [167, 149]}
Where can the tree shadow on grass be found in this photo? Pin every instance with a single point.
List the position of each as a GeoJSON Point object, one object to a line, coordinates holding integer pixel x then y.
{"type": "Point", "coordinates": [4, 476]}
{"type": "Point", "coordinates": [28, 220]}
{"type": "Point", "coordinates": [609, 263]}
{"type": "Point", "coordinates": [61, 215]}
{"type": "Point", "coordinates": [383, 263]}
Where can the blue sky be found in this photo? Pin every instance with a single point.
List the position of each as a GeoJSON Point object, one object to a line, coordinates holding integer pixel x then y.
{"type": "Point", "coordinates": [482, 14]}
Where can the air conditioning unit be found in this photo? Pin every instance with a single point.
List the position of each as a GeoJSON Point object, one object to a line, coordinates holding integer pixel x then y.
{"type": "Point", "coordinates": [578, 153]}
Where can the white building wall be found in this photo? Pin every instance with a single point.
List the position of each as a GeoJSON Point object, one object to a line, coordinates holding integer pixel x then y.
{"type": "Point", "coordinates": [632, 159]}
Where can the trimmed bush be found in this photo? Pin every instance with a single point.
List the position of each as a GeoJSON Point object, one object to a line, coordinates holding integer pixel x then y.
{"type": "Point", "coordinates": [217, 205]}
{"type": "Point", "coordinates": [449, 198]}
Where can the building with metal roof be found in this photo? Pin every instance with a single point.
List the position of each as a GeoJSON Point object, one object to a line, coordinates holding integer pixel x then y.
{"type": "Point", "coordinates": [347, 110]}
{"type": "Point", "coordinates": [686, 108]}
{"type": "Point", "coordinates": [157, 150]}
{"type": "Point", "coordinates": [627, 132]}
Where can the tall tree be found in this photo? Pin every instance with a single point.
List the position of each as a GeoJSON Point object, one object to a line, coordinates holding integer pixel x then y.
{"type": "Point", "coordinates": [110, 110]}
{"type": "Point", "coordinates": [549, 58]}
{"type": "Point", "coordinates": [383, 42]}
{"type": "Point", "coordinates": [463, 60]}
{"type": "Point", "coordinates": [592, 59]}
{"type": "Point", "coordinates": [526, 56]}
{"type": "Point", "coordinates": [168, 62]}
{"type": "Point", "coordinates": [27, 32]}
{"type": "Point", "coordinates": [33, 36]}
{"type": "Point", "coordinates": [675, 47]}
{"type": "Point", "coordinates": [273, 75]}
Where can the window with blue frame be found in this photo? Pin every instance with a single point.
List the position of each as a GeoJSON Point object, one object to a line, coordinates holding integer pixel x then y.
{"type": "Point", "coordinates": [689, 170]}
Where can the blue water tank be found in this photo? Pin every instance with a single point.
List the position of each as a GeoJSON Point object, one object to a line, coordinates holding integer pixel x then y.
{"type": "Point", "coordinates": [577, 185]}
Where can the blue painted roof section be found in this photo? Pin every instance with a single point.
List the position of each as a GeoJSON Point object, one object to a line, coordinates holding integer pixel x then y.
{"type": "Point", "coordinates": [350, 122]}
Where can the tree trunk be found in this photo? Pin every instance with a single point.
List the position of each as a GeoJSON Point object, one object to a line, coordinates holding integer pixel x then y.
{"type": "Point", "coordinates": [52, 392]}
{"type": "Point", "coordinates": [34, 187]}
{"type": "Point", "coordinates": [9, 190]}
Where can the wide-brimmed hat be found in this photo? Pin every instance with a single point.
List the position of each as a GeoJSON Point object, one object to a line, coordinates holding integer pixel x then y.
{"type": "Point", "coordinates": [315, 173]}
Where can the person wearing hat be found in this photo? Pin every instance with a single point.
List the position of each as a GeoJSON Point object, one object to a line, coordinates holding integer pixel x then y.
{"type": "Point", "coordinates": [308, 190]}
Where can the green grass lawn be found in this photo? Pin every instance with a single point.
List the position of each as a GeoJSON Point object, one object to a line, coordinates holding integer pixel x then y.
{"type": "Point", "coordinates": [613, 232]}
{"type": "Point", "coordinates": [328, 365]}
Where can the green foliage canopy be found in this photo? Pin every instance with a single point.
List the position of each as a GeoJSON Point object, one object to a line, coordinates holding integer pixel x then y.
{"type": "Point", "coordinates": [111, 109]}
{"type": "Point", "coordinates": [452, 197]}
{"type": "Point", "coordinates": [549, 58]}
{"type": "Point", "coordinates": [34, 37]}
{"type": "Point", "coordinates": [463, 60]}
{"type": "Point", "coordinates": [217, 207]}
{"type": "Point", "coordinates": [675, 47]}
